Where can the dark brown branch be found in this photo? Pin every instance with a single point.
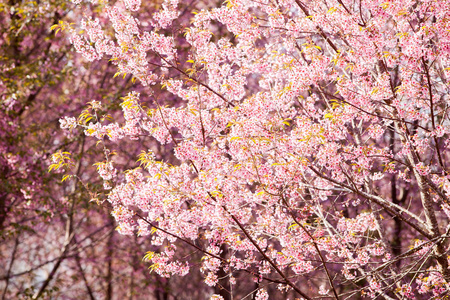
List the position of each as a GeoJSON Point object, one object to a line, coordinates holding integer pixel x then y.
{"type": "Point", "coordinates": [322, 259]}
{"type": "Point", "coordinates": [8, 273]}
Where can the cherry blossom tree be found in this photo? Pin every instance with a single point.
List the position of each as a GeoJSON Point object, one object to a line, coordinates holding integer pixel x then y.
{"type": "Point", "coordinates": [309, 142]}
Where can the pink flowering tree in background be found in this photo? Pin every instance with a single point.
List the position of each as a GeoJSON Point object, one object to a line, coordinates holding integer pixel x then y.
{"type": "Point", "coordinates": [279, 148]}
